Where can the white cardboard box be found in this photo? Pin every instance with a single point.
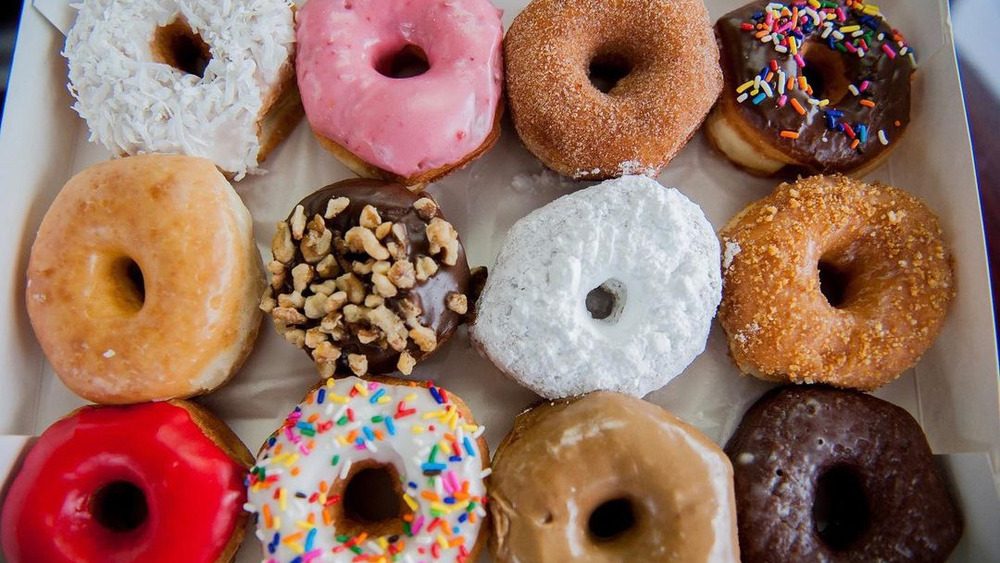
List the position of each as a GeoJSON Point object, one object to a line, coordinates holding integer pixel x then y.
{"type": "Point", "coordinates": [953, 391]}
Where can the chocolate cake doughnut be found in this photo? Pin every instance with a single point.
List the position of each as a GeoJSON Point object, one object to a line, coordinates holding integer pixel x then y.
{"type": "Point", "coordinates": [367, 277]}
{"type": "Point", "coordinates": [829, 475]}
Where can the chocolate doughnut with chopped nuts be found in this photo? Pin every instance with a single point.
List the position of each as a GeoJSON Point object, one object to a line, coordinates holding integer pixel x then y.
{"type": "Point", "coordinates": [367, 277]}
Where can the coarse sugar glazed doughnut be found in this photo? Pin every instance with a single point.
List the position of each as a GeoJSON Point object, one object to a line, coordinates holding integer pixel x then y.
{"type": "Point", "coordinates": [208, 79]}
{"type": "Point", "coordinates": [612, 287]}
{"type": "Point", "coordinates": [817, 87]}
{"type": "Point", "coordinates": [401, 91]}
{"type": "Point", "coordinates": [367, 278]}
{"type": "Point", "coordinates": [374, 469]}
{"type": "Point", "coordinates": [607, 478]}
{"type": "Point", "coordinates": [128, 483]}
{"type": "Point", "coordinates": [838, 476]}
{"type": "Point", "coordinates": [832, 280]}
{"type": "Point", "coordinates": [602, 89]}
{"type": "Point", "coordinates": [143, 280]}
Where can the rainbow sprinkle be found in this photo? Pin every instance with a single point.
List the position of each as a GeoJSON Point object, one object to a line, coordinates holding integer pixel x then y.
{"type": "Point", "coordinates": [417, 429]}
{"type": "Point", "coordinates": [848, 26]}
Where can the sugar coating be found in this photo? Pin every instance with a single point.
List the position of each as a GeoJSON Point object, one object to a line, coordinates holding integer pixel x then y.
{"type": "Point", "coordinates": [134, 104]}
{"type": "Point", "coordinates": [651, 242]}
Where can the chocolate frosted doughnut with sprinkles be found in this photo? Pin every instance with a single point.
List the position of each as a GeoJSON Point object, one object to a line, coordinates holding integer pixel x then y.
{"type": "Point", "coordinates": [367, 277]}
{"type": "Point", "coordinates": [818, 86]}
{"type": "Point", "coordinates": [375, 469]}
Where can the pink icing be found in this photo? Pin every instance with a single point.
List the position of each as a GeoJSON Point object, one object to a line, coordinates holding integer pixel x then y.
{"type": "Point", "coordinates": [404, 125]}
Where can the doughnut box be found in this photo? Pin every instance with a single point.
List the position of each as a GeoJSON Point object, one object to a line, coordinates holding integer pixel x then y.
{"type": "Point", "coordinates": [954, 390]}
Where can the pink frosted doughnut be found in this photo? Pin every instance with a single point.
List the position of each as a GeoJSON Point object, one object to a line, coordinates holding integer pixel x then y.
{"type": "Point", "coordinates": [374, 118]}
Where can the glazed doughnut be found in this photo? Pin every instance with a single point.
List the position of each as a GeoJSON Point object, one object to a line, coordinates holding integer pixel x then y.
{"type": "Point", "coordinates": [830, 475]}
{"type": "Point", "coordinates": [367, 278]}
{"type": "Point", "coordinates": [143, 280]}
{"type": "Point", "coordinates": [126, 483]}
{"type": "Point", "coordinates": [373, 469]}
{"type": "Point", "coordinates": [208, 79]}
{"type": "Point", "coordinates": [831, 280]}
{"type": "Point", "coordinates": [819, 88]}
{"type": "Point", "coordinates": [658, 57]}
{"type": "Point", "coordinates": [612, 287]}
{"type": "Point", "coordinates": [404, 95]}
{"type": "Point", "coordinates": [560, 490]}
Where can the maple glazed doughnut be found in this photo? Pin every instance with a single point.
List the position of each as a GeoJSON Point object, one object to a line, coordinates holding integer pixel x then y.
{"type": "Point", "coordinates": [819, 87]}
{"type": "Point", "coordinates": [208, 79]}
{"type": "Point", "coordinates": [367, 278]}
{"type": "Point", "coordinates": [838, 476]}
{"type": "Point", "coordinates": [143, 280]}
{"type": "Point", "coordinates": [149, 482]}
{"type": "Point", "coordinates": [658, 57]}
{"type": "Point", "coordinates": [831, 280]}
{"type": "Point", "coordinates": [374, 469]}
{"type": "Point", "coordinates": [605, 478]}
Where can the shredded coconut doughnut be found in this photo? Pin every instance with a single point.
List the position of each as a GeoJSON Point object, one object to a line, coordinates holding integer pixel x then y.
{"type": "Point", "coordinates": [134, 104]}
{"type": "Point", "coordinates": [656, 258]}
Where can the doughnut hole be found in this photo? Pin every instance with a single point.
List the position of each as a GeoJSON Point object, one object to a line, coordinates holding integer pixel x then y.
{"type": "Point", "coordinates": [834, 283]}
{"type": "Point", "coordinates": [118, 289]}
{"type": "Point", "coordinates": [825, 71]}
{"type": "Point", "coordinates": [119, 506]}
{"type": "Point", "coordinates": [840, 509]}
{"type": "Point", "coordinates": [179, 46]}
{"type": "Point", "coordinates": [606, 301]}
{"type": "Point", "coordinates": [611, 520]}
{"type": "Point", "coordinates": [372, 501]}
{"type": "Point", "coordinates": [406, 62]}
{"type": "Point", "coordinates": [606, 70]}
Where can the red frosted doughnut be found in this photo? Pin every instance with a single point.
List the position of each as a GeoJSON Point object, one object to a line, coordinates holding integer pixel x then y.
{"type": "Point", "coordinates": [151, 482]}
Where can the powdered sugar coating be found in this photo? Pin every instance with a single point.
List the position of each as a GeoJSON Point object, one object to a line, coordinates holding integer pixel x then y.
{"type": "Point", "coordinates": [649, 243]}
{"type": "Point", "coordinates": [134, 104]}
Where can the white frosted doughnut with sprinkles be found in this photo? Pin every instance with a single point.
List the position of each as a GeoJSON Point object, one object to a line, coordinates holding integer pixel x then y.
{"type": "Point", "coordinates": [374, 469]}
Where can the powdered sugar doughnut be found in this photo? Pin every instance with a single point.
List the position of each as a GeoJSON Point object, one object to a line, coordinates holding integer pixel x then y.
{"type": "Point", "coordinates": [208, 79]}
{"type": "Point", "coordinates": [613, 287]}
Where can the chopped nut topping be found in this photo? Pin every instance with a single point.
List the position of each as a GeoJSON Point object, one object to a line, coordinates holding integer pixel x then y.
{"type": "Point", "coordinates": [383, 286]}
{"type": "Point", "coordinates": [328, 287]}
{"type": "Point", "coordinates": [367, 336]}
{"type": "Point", "coordinates": [281, 245]}
{"type": "Point", "coordinates": [370, 219]}
{"type": "Point", "coordinates": [335, 206]}
{"type": "Point", "coordinates": [396, 251]}
{"type": "Point", "coordinates": [301, 276]}
{"type": "Point", "coordinates": [267, 302]}
{"type": "Point", "coordinates": [355, 289]}
{"type": "Point", "coordinates": [424, 338]}
{"type": "Point", "coordinates": [443, 237]}
{"type": "Point", "coordinates": [315, 306]}
{"type": "Point", "coordinates": [354, 313]}
{"type": "Point", "coordinates": [360, 239]}
{"type": "Point", "coordinates": [333, 324]}
{"type": "Point", "coordinates": [426, 208]}
{"type": "Point", "coordinates": [402, 274]}
{"type": "Point", "coordinates": [292, 300]}
{"type": "Point", "coordinates": [399, 232]}
{"type": "Point", "coordinates": [288, 315]}
{"type": "Point", "coordinates": [358, 363]}
{"type": "Point", "coordinates": [327, 267]}
{"type": "Point", "coordinates": [426, 267]}
{"type": "Point", "coordinates": [383, 230]}
{"type": "Point", "coordinates": [298, 222]}
{"type": "Point", "coordinates": [326, 356]}
{"type": "Point", "coordinates": [391, 325]}
{"type": "Point", "coordinates": [405, 363]}
{"type": "Point", "coordinates": [457, 302]}
{"type": "Point", "coordinates": [317, 245]}
{"type": "Point", "coordinates": [381, 267]}
{"type": "Point", "coordinates": [363, 268]}
{"type": "Point", "coordinates": [296, 337]}
{"type": "Point", "coordinates": [336, 301]}
{"type": "Point", "coordinates": [314, 336]}
{"type": "Point", "coordinates": [372, 301]}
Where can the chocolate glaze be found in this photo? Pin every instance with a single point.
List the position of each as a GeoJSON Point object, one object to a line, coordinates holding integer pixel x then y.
{"type": "Point", "coordinates": [394, 203]}
{"type": "Point", "coordinates": [796, 440]}
{"type": "Point", "coordinates": [743, 56]}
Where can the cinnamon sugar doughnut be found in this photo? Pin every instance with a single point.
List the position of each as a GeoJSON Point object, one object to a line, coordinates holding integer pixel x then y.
{"type": "Point", "coordinates": [885, 271]}
{"type": "Point", "coordinates": [660, 56]}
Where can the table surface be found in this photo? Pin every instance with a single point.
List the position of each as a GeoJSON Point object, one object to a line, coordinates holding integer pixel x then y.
{"type": "Point", "coordinates": [982, 103]}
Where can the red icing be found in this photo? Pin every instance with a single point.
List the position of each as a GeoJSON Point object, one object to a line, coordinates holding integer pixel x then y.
{"type": "Point", "coordinates": [194, 491]}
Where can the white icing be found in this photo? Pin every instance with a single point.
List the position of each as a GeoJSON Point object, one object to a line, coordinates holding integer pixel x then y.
{"type": "Point", "coordinates": [406, 450]}
{"type": "Point", "coordinates": [532, 318]}
{"type": "Point", "coordinates": [134, 105]}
